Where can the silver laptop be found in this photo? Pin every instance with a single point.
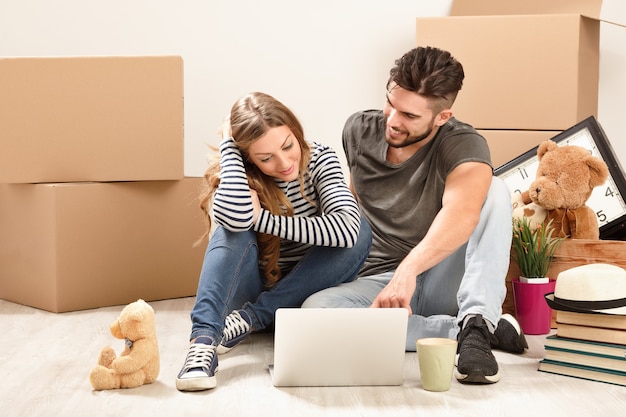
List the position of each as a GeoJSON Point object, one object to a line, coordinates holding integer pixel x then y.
{"type": "Point", "coordinates": [339, 346]}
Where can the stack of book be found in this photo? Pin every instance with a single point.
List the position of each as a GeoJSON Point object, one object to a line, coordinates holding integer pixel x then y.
{"type": "Point", "coordinates": [589, 346]}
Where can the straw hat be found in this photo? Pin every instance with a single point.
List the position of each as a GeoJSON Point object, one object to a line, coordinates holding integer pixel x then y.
{"type": "Point", "coordinates": [593, 288]}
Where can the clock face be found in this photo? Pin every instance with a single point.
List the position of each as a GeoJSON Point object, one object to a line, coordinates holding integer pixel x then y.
{"type": "Point", "coordinates": [607, 200]}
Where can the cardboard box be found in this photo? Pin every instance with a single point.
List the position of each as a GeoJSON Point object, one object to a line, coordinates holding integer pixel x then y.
{"type": "Point", "coordinates": [506, 145]}
{"type": "Point", "coordinates": [529, 64]}
{"type": "Point", "coordinates": [571, 253]}
{"type": "Point", "coordinates": [75, 246]}
{"type": "Point", "coordinates": [535, 72]}
{"type": "Point", "coordinates": [72, 119]}
{"type": "Point", "coordinates": [605, 10]}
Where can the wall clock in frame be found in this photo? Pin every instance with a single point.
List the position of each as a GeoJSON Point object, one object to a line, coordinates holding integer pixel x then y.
{"type": "Point", "coordinates": [608, 201]}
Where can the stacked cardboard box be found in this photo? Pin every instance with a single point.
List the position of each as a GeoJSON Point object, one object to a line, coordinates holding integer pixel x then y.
{"type": "Point", "coordinates": [532, 67]}
{"type": "Point", "coordinates": [94, 206]}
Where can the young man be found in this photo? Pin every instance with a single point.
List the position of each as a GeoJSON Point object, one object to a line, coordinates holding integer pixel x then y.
{"type": "Point", "coordinates": [441, 221]}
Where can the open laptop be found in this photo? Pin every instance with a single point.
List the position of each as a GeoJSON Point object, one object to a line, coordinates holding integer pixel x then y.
{"type": "Point", "coordinates": [339, 346]}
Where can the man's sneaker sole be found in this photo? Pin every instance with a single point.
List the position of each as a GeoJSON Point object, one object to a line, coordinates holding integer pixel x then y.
{"type": "Point", "coordinates": [476, 378]}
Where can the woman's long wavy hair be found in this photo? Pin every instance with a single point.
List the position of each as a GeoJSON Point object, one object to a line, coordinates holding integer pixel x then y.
{"type": "Point", "coordinates": [251, 117]}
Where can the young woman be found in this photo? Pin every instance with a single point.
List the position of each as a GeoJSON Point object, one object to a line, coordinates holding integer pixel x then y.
{"type": "Point", "coordinates": [286, 226]}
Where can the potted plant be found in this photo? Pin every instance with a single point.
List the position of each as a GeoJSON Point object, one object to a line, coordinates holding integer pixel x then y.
{"type": "Point", "coordinates": [532, 249]}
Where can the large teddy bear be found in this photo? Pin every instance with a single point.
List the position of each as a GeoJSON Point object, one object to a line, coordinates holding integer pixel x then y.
{"type": "Point", "coordinates": [565, 178]}
{"type": "Point", "coordinates": [139, 363]}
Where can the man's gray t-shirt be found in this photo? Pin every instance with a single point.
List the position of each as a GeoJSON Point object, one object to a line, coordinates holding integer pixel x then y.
{"type": "Point", "coordinates": [400, 201]}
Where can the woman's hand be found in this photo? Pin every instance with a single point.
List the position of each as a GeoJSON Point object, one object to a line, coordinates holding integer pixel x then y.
{"type": "Point", "coordinates": [256, 205]}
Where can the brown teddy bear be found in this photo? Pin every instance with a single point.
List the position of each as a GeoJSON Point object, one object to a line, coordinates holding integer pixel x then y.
{"type": "Point", "coordinates": [532, 212]}
{"type": "Point", "coordinates": [139, 363]}
{"type": "Point", "coordinates": [565, 178]}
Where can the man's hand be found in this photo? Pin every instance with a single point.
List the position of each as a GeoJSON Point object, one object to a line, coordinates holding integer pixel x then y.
{"type": "Point", "coordinates": [399, 291]}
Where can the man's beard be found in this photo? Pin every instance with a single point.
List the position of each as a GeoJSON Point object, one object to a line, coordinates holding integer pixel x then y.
{"type": "Point", "coordinates": [411, 139]}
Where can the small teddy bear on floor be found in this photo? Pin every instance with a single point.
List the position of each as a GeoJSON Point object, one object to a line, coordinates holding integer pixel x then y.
{"type": "Point", "coordinates": [139, 363]}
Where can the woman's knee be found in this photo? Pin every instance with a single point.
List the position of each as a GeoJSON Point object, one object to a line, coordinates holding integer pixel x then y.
{"type": "Point", "coordinates": [364, 242]}
{"type": "Point", "coordinates": [365, 235]}
{"type": "Point", "coordinates": [235, 242]}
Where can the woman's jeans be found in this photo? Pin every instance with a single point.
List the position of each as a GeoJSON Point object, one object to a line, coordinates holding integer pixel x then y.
{"type": "Point", "coordinates": [230, 279]}
{"type": "Point", "coordinates": [469, 281]}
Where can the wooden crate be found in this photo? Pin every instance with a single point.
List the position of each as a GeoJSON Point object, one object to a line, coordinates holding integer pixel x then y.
{"type": "Point", "coordinates": [572, 253]}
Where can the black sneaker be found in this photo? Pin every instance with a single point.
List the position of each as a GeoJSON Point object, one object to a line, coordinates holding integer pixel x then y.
{"type": "Point", "coordinates": [237, 327]}
{"type": "Point", "coordinates": [475, 362]}
{"type": "Point", "coordinates": [198, 372]}
{"type": "Point", "coordinates": [509, 335]}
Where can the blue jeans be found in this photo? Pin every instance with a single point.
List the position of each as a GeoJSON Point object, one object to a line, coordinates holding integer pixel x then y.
{"type": "Point", "coordinates": [469, 281]}
{"type": "Point", "coordinates": [230, 279]}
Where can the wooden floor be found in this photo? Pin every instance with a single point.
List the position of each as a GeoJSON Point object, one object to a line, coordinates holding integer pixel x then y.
{"type": "Point", "coordinates": [45, 359]}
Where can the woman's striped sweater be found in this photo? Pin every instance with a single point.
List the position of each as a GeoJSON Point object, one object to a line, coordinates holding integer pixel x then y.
{"type": "Point", "coordinates": [334, 221]}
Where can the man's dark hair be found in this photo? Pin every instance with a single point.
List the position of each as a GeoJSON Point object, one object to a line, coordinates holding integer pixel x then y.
{"type": "Point", "coordinates": [430, 72]}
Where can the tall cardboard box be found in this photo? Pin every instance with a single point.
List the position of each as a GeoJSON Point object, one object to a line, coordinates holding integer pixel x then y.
{"type": "Point", "coordinates": [75, 246]}
{"type": "Point", "coordinates": [603, 10]}
{"type": "Point", "coordinates": [506, 145]}
{"type": "Point", "coordinates": [71, 119]}
{"type": "Point", "coordinates": [529, 64]}
{"type": "Point", "coordinates": [535, 72]}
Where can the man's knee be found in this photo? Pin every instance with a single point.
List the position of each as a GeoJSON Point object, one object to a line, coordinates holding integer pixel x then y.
{"type": "Point", "coordinates": [320, 299]}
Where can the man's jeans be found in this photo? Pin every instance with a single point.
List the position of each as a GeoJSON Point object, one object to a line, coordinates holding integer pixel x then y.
{"type": "Point", "coordinates": [470, 281]}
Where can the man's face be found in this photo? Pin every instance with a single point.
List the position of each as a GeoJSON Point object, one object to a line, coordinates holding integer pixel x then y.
{"type": "Point", "coordinates": [408, 118]}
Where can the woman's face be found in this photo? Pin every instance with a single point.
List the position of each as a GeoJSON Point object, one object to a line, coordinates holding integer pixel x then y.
{"type": "Point", "coordinates": [277, 154]}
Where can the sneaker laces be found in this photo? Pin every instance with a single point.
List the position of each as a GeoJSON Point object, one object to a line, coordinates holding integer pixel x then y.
{"type": "Point", "coordinates": [477, 324]}
{"type": "Point", "coordinates": [475, 363]}
{"type": "Point", "coordinates": [200, 356]}
{"type": "Point", "coordinates": [235, 326]}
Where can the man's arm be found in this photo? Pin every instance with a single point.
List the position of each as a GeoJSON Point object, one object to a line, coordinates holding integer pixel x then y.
{"type": "Point", "coordinates": [465, 192]}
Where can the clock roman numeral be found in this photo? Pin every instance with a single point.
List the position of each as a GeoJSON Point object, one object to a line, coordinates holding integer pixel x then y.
{"type": "Point", "coordinates": [523, 173]}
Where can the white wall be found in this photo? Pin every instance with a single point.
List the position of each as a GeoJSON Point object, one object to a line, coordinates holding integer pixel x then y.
{"type": "Point", "coordinates": [612, 88]}
{"type": "Point", "coordinates": [324, 59]}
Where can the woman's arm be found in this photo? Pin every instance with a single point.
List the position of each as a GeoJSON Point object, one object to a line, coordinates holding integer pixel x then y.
{"type": "Point", "coordinates": [232, 201]}
{"type": "Point", "coordinates": [336, 222]}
